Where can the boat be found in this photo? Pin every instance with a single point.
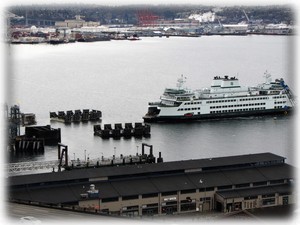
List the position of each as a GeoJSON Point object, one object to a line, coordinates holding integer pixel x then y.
{"type": "Point", "coordinates": [133, 37]}
{"type": "Point", "coordinates": [225, 98]}
{"type": "Point", "coordinates": [93, 38]}
{"type": "Point", "coordinates": [28, 40]}
{"type": "Point", "coordinates": [56, 40]}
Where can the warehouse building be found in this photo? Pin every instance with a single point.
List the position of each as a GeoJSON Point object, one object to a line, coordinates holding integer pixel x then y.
{"type": "Point", "coordinates": [77, 23]}
{"type": "Point", "coordinates": [224, 184]}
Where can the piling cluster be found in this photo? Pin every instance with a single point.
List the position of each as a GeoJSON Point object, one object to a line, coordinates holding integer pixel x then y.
{"type": "Point", "coordinates": [29, 145]}
{"type": "Point", "coordinates": [35, 139]}
{"type": "Point", "coordinates": [76, 116]}
{"type": "Point", "coordinates": [138, 130]}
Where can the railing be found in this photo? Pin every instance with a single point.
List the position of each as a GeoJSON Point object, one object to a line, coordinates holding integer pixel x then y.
{"type": "Point", "coordinates": [13, 168]}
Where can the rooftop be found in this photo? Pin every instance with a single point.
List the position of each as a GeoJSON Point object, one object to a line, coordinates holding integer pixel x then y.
{"type": "Point", "coordinates": [142, 170]}
{"type": "Point", "coordinates": [153, 184]}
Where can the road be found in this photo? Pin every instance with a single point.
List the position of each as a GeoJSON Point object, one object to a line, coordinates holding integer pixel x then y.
{"type": "Point", "coordinates": [14, 213]}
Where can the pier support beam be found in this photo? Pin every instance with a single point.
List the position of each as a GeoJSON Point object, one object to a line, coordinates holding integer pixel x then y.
{"type": "Point", "coordinates": [61, 153]}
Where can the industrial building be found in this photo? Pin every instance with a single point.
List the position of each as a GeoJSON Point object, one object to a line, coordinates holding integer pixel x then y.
{"type": "Point", "coordinates": [77, 23]}
{"type": "Point", "coordinates": [224, 184]}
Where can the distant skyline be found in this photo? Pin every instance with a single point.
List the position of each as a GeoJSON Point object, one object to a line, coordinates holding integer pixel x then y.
{"type": "Point", "coordinates": [151, 2]}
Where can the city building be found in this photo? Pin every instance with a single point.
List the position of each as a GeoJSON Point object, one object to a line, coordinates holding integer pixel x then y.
{"type": "Point", "coordinates": [77, 23]}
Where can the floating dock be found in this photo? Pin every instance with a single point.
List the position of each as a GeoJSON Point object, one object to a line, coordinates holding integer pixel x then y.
{"type": "Point", "coordinates": [138, 130]}
{"type": "Point", "coordinates": [50, 135]}
{"type": "Point", "coordinates": [35, 139]}
{"type": "Point", "coordinates": [25, 145]}
{"type": "Point", "coordinates": [76, 116]}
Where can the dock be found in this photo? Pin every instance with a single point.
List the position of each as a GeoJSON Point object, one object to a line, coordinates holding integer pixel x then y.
{"type": "Point", "coordinates": [118, 131]}
{"type": "Point", "coordinates": [77, 116]}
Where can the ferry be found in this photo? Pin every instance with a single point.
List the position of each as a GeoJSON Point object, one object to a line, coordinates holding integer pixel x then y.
{"type": "Point", "coordinates": [225, 98]}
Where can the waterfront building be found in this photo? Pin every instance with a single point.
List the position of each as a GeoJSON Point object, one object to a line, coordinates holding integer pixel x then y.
{"type": "Point", "coordinates": [77, 23]}
{"type": "Point", "coordinates": [223, 184]}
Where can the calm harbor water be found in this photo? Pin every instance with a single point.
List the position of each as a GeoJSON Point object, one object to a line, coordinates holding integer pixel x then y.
{"type": "Point", "coordinates": [121, 77]}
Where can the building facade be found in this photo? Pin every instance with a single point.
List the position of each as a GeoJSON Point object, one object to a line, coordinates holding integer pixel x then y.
{"type": "Point", "coordinates": [222, 189]}
{"type": "Point", "coordinates": [77, 23]}
{"type": "Point", "coordinates": [223, 184]}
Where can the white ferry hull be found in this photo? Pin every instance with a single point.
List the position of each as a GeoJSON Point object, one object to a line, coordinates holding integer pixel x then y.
{"type": "Point", "coordinates": [225, 99]}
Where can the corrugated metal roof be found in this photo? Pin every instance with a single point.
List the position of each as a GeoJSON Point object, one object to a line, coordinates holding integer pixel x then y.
{"type": "Point", "coordinates": [172, 183]}
{"type": "Point", "coordinates": [155, 184]}
{"type": "Point", "coordinates": [242, 176]}
{"type": "Point", "coordinates": [209, 179]}
{"type": "Point", "coordinates": [254, 191]}
{"type": "Point", "coordinates": [166, 167]}
{"type": "Point", "coordinates": [132, 187]}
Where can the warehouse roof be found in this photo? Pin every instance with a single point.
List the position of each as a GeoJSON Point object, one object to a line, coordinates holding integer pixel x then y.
{"type": "Point", "coordinates": [247, 192]}
{"type": "Point", "coordinates": [240, 161]}
{"type": "Point", "coordinates": [64, 193]}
